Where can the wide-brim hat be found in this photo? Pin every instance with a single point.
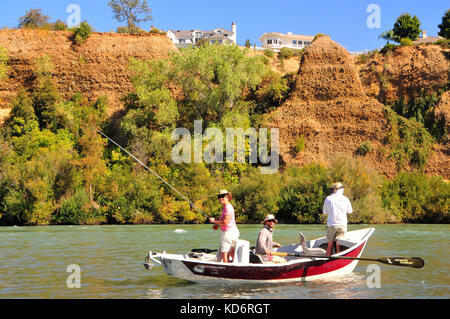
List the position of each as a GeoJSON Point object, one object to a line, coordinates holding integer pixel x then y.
{"type": "Point", "coordinates": [223, 192]}
{"type": "Point", "coordinates": [337, 185]}
{"type": "Point", "coordinates": [270, 217]}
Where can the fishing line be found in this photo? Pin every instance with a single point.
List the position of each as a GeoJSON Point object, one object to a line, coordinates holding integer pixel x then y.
{"type": "Point", "coordinates": [154, 173]}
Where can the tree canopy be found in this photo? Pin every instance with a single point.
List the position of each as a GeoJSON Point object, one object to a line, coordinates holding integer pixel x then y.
{"type": "Point", "coordinates": [406, 27]}
{"type": "Point", "coordinates": [132, 12]}
{"type": "Point", "coordinates": [33, 18]}
{"type": "Point", "coordinates": [444, 27]}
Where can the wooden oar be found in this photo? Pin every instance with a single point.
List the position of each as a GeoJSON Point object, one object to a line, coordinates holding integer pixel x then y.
{"type": "Point", "coordinates": [414, 262]}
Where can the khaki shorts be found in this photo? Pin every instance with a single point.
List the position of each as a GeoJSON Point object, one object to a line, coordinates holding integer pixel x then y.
{"type": "Point", "coordinates": [227, 239]}
{"type": "Point", "coordinates": [335, 232]}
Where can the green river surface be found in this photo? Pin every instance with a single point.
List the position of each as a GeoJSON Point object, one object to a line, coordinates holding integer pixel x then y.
{"type": "Point", "coordinates": [34, 263]}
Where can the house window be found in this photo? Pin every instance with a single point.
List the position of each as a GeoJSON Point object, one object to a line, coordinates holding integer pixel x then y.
{"type": "Point", "coordinates": [269, 41]}
{"type": "Point", "coordinates": [307, 43]}
{"type": "Point", "coordinates": [294, 42]}
{"type": "Point", "coordinates": [300, 43]}
{"type": "Point", "coordinates": [182, 41]}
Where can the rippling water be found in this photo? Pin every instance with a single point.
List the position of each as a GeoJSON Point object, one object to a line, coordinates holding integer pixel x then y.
{"type": "Point", "coordinates": [34, 263]}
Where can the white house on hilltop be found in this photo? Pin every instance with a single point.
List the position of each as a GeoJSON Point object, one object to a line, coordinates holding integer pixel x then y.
{"type": "Point", "coordinates": [186, 38]}
{"type": "Point", "coordinates": [276, 40]}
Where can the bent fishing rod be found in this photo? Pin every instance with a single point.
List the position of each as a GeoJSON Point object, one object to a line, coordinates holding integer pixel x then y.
{"type": "Point", "coordinates": [154, 173]}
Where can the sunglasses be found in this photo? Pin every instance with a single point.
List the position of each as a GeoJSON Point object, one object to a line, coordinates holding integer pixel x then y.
{"type": "Point", "coordinates": [222, 196]}
{"type": "Point", "coordinates": [270, 221]}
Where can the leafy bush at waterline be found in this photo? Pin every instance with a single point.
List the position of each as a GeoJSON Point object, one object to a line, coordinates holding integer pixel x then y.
{"type": "Point", "coordinates": [418, 198]}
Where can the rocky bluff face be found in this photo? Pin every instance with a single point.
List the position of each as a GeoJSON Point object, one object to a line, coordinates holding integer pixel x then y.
{"type": "Point", "coordinates": [334, 112]}
{"type": "Point", "coordinates": [98, 67]}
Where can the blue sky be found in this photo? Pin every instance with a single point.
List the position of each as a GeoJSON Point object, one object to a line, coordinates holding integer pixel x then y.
{"type": "Point", "coordinates": [345, 21]}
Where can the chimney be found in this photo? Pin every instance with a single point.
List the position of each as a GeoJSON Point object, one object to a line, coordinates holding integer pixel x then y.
{"type": "Point", "coordinates": [424, 34]}
{"type": "Point", "coordinates": [234, 30]}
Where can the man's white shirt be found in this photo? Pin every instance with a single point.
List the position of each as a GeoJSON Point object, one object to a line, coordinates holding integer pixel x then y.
{"type": "Point", "coordinates": [337, 206]}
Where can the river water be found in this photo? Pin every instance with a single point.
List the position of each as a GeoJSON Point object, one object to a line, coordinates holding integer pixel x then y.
{"type": "Point", "coordinates": [34, 263]}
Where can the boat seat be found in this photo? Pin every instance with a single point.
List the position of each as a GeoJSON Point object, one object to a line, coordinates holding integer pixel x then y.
{"type": "Point", "coordinates": [310, 251]}
{"type": "Point", "coordinates": [255, 259]}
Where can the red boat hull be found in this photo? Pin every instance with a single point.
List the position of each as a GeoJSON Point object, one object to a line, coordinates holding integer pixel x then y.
{"type": "Point", "coordinates": [278, 272]}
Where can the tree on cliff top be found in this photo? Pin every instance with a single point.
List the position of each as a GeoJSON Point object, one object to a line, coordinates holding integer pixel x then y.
{"type": "Point", "coordinates": [444, 27]}
{"type": "Point", "coordinates": [131, 11]}
{"type": "Point", "coordinates": [33, 18]}
{"type": "Point", "coordinates": [406, 27]}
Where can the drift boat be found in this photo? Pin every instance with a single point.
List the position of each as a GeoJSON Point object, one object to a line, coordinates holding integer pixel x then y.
{"type": "Point", "coordinates": [304, 261]}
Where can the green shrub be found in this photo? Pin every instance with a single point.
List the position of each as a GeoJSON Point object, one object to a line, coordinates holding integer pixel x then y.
{"type": "Point", "coordinates": [421, 108]}
{"type": "Point", "coordinates": [3, 62]}
{"type": "Point", "coordinates": [411, 142]}
{"type": "Point", "coordinates": [136, 30]}
{"type": "Point", "coordinates": [406, 42]}
{"type": "Point", "coordinates": [269, 53]}
{"type": "Point", "coordinates": [417, 198]}
{"type": "Point", "coordinates": [362, 184]}
{"type": "Point", "coordinates": [444, 43]}
{"type": "Point", "coordinates": [74, 210]}
{"type": "Point", "coordinates": [82, 33]}
{"type": "Point", "coordinates": [59, 26]}
{"type": "Point", "coordinates": [271, 92]}
{"type": "Point", "coordinates": [256, 195]}
{"type": "Point", "coordinates": [157, 31]}
{"type": "Point", "coordinates": [364, 148]}
{"type": "Point", "coordinates": [299, 144]}
{"type": "Point", "coordinates": [388, 48]}
{"type": "Point", "coordinates": [285, 53]}
{"type": "Point", "coordinates": [298, 52]}
{"type": "Point", "coordinates": [318, 35]}
{"type": "Point", "coordinates": [303, 194]}
{"type": "Point", "coordinates": [362, 58]}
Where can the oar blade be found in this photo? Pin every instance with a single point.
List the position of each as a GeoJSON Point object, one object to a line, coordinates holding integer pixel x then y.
{"type": "Point", "coordinates": [414, 262]}
{"type": "Point", "coordinates": [203, 250]}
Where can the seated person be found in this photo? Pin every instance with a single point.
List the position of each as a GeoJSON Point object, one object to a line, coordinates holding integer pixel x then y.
{"type": "Point", "coordinates": [265, 243]}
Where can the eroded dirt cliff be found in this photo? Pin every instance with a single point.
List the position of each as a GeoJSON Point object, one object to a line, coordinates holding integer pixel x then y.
{"type": "Point", "coordinates": [335, 112]}
{"type": "Point", "coordinates": [98, 67]}
{"type": "Point", "coordinates": [404, 72]}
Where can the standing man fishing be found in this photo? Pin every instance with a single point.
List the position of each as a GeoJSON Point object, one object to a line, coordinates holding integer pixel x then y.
{"type": "Point", "coordinates": [227, 224]}
{"type": "Point", "coordinates": [336, 206]}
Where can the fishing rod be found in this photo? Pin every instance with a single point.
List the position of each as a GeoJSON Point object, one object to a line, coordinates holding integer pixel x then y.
{"type": "Point", "coordinates": [154, 173]}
